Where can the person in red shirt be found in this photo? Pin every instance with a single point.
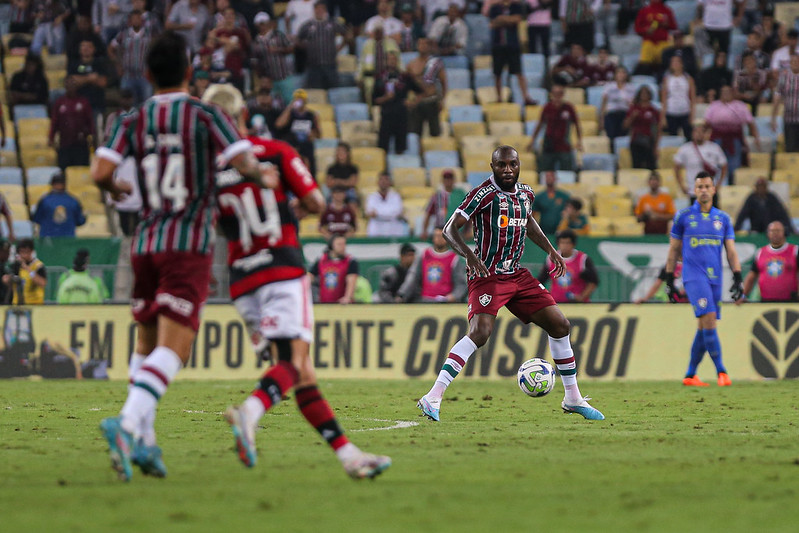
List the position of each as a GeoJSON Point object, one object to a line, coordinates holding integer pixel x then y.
{"type": "Point", "coordinates": [654, 24]}
{"type": "Point", "coordinates": [556, 150]}
{"type": "Point", "coordinates": [71, 126]}
{"type": "Point", "coordinates": [604, 70]}
{"type": "Point", "coordinates": [236, 44]}
{"type": "Point", "coordinates": [336, 273]}
{"type": "Point", "coordinates": [338, 217]}
{"type": "Point", "coordinates": [573, 69]}
{"type": "Point", "coordinates": [642, 120]}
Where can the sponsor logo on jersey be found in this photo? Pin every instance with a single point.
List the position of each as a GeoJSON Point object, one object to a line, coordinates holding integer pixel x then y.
{"type": "Point", "coordinates": [227, 177]}
{"type": "Point", "coordinates": [505, 221]}
{"type": "Point", "coordinates": [695, 242]}
{"type": "Point", "coordinates": [258, 259]}
{"type": "Point", "coordinates": [485, 299]}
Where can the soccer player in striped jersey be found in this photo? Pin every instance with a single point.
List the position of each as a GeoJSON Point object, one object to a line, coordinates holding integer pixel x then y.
{"type": "Point", "coordinates": [270, 290]}
{"type": "Point", "coordinates": [500, 210]}
{"type": "Point", "coordinates": [176, 142]}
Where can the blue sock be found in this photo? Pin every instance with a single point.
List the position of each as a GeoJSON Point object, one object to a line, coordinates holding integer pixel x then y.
{"type": "Point", "coordinates": [714, 349]}
{"type": "Point", "coordinates": [697, 353]}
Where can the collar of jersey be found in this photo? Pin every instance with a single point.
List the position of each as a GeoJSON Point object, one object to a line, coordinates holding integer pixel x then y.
{"type": "Point", "coordinates": [500, 189]}
{"type": "Point", "coordinates": [781, 248]}
{"type": "Point", "coordinates": [698, 208]}
{"type": "Point", "coordinates": [173, 95]}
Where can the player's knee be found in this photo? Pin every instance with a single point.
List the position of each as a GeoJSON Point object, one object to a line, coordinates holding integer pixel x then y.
{"type": "Point", "coordinates": [480, 333]}
{"type": "Point", "coordinates": [560, 328]}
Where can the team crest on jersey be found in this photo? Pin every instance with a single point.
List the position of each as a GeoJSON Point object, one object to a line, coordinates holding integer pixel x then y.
{"type": "Point", "coordinates": [434, 273]}
{"type": "Point", "coordinates": [702, 303]}
{"type": "Point", "coordinates": [565, 280]}
{"type": "Point", "coordinates": [485, 299]}
{"type": "Point", "coordinates": [331, 279]}
{"type": "Point", "coordinates": [527, 204]}
{"type": "Point", "coordinates": [775, 268]}
{"type": "Point", "coordinates": [717, 224]}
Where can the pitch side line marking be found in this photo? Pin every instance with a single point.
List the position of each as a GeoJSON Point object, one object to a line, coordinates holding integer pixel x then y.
{"type": "Point", "coordinates": [398, 424]}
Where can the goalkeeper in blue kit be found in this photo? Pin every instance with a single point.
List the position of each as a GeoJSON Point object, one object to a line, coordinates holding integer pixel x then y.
{"type": "Point", "coordinates": [699, 233]}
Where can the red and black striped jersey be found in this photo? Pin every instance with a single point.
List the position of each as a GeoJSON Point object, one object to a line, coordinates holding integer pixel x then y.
{"type": "Point", "coordinates": [177, 141]}
{"type": "Point", "coordinates": [263, 246]}
{"type": "Point", "coordinates": [500, 223]}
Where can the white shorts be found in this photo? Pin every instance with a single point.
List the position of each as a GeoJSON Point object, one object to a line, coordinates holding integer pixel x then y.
{"type": "Point", "coordinates": [280, 310]}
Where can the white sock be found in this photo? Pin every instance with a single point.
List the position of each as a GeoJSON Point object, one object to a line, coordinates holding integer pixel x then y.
{"type": "Point", "coordinates": [150, 383]}
{"type": "Point", "coordinates": [253, 408]}
{"type": "Point", "coordinates": [147, 426]}
{"type": "Point", "coordinates": [136, 360]}
{"type": "Point", "coordinates": [347, 452]}
{"type": "Point", "coordinates": [563, 356]}
{"type": "Point", "coordinates": [456, 360]}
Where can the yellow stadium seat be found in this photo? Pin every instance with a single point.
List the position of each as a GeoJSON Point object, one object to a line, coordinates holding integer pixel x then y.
{"type": "Point", "coordinates": [324, 158]}
{"type": "Point", "coordinates": [527, 160]}
{"type": "Point", "coordinates": [669, 180]}
{"type": "Point", "coordinates": [483, 62]}
{"type": "Point", "coordinates": [459, 97]}
{"type": "Point", "coordinates": [328, 129]}
{"type": "Point", "coordinates": [96, 226]}
{"type": "Point", "coordinates": [12, 64]}
{"type": "Point", "coordinates": [45, 157]}
{"type": "Point", "coordinates": [627, 227]}
{"type": "Point", "coordinates": [347, 63]}
{"type": "Point", "coordinates": [35, 192]}
{"type": "Point", "coordinates": [612, 207]}
{"type": "Point", "coordinates": [435, 175]}
{"type": "Point", "coordinates": [786, 161]}
{"type": "Point", "coordinates": [595, 178]}
{"type": "Point", "coordinates": [518, 141]}
{"type": "Point", "coordinates": [317, 96]}
{"type": "Point", "coordinates": [502, 112]}
{"type": "Point", "coordinates": [790, 177]}
{"type": "Point", "coordinates": [633, 179]}
{"type": "Point", "coordinates": [353, 127]}
{"type": "Point", "coordinates": [323, 111]}
{"type": "Point", "coordinates": [439, 143]}
{"type": "Point", "coordinates": [794, 207]}
{"type": "Point", "coordinates": [370, 159]}
{"type": "Point", "coordinates": [79, 176]}
{"type": "Point", "coordinates": [19, 211]}
{"type": "Point", "coordinates": [500, 129]}
{"type": "Point", "coordinates": [530, 177]}
{"type": "Point", "coordinates": [478, 144]}
{"type": "Point", "coordinates": [309, 226]}
{"type": "Point", "coordinates": [666, 156]}
{"type": "Point", "coordinates": [601, 226]}
{"type": "Point", "coordinates": [461, 129]}
{"type": "Point", "coordinates": [14, 194]}
{"type": "Point", "coordinates": [409, 177]}
{"type": "Point", "coordinates": [764, 110]}
{"type": "Point", "coordinates": [476, 163]}
{"type": "Point", "coordinates": [625, 158]}
{"type": "Point", "coordinates": [611, 191]}
{"type": "Point", "coordinates": [532, 112]}
{"type": "Point", "coordinates": [33, 126]}
{"type": "Point", "coordinates": [760, 160]}
{"type": "Point", "coordinates": [596, 144]}
{"type": "Point", "coordinates": [56, 78]}
{"type": "Point", "coordinates": [587, 112]}
{"type": "Point", "coordinates": [590, 128]}
{"type": "Point", "coordinates": [732, 198]}
{"type": "Point", "coordinates": [575, 95]}
{"type": "Point", "coordinates": [580, 190]}
{"type": "Point", "coordinates": [488, 95]}
{"type": "Point", "coordinates": [8, 158]}
{"type": "Point", "coordinates": [362, 139]}
{"type": "Point", "coordinates": [54, 62]}
{"type": "Point", "coordinates": [32, 142]}
{"type": "Point", "coordinates": [416, 193]}
{"type": "Point", "coordinates": [367, 180]}
{"type": "Point", "coordinates": [748, 176]}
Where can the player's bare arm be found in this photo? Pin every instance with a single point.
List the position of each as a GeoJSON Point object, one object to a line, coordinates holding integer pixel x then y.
{"type": "Point", "coordinates": [313, 202]}
{"type": "Point", "coordinates": [247, 165]}
{"type": "Point", "coordinates": [737, 289]}
{"type": "Point", "coordinates": [536, 234]}
{"type": "Point", "coordinates": [102, 172]}
{"type": "Point", "coordinates": [452, 233]}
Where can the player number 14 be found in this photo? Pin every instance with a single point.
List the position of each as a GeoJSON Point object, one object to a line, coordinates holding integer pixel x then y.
{"type": "Point", "coordinates": [170, 186]}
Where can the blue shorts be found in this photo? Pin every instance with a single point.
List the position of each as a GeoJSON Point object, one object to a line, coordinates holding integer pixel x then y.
{"type": "Point", "coordinates": [704, 297]}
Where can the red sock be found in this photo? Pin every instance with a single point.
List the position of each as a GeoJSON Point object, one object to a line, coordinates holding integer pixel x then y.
{"type": "Point", "coordinates": [276, 381]}
{"type": "Point", "coordinates": [317, 412]}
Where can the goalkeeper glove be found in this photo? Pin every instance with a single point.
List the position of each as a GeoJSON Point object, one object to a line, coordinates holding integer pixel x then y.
{"type": "Point", "coordinates": [671, 290]}
{"type": "Point", "coordinates": [737, 289]}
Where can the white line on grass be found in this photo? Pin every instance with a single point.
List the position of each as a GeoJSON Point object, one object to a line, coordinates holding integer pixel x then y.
{"type": "Point", "coordinates": [398, 424]}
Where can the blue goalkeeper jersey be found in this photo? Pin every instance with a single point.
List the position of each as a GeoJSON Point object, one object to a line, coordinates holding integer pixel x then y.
{"type": "Point", "coordinates": [702, 236]}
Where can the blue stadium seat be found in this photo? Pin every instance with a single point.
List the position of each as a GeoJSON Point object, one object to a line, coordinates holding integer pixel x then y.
{"type": "Point", "coordinates": [458, 78]}
{"type": "Point", "coordinates": [533, 63]}
{"type": "Point", "coordinates": [441, 158]}
{"type": "Point", "coordinates": [407, 57]}
{"type": "Point", "coordinates": [566, 176]}
{"type": "Point", "coordinates": [360, 41]}
{"type": "Point", "coordinates": [350, 112]}
{"type": "Point", "coordinates": [40, 175]}
{"type": "Point", "coordinates": [539, 95]}
{"type": "Point", "coordinates": [476, 178]}
{"type": "Point", "coordinates": [466, 113]}
{"type": "Point", "coordinates": [10, 176]}
{"type": "Point", "coordinates": [684, 12]}
{"type": "Point", "coordinates": [621, 142]}
{"type": "Point", "coordinates": [403, 161]}
{"type": "Point", "coordinates": [346, 79]}
{"type": "Point", "coordinates": [325, 143]}
{"type": "Point", "coordinates": [344, 95]}
{"type": "Point", "coordinates": [11, 144]}
{"type": "Point", "coordinates": [479, 35]}
{"type": "Point", "coordinates": [594, 95]}
{"type": "Point", "coordinates": [764, 126]}
{"type": "Point", "coordinates": [639, 79]}
{"type": "Point", "coordinates": [23, 229]}
{"type": "Point", "coordinates": [599, 162]}
{"type": "Point", "coordinates": [55, 94]}
{"type": "Point", "coordinates": [629, 61]}
{"type": "Point", "coordinates": [29, 111]}
{"type": "Point", "coordinates": [625, 44]}
{"type": "Point", "coordinates": [534, 81]}
{"type": "Point", "coordinates": [457, 61]}
{"type": "Point", "coordinates": [671, 141]}
{"type": "Point", "coordinates": [413, 147]}
{"type": "Point", "coordinates": [483, 77]}
{"type": "Point", "coordinates": [529, 127]}
{"type": "Point", "coordinates": [737, 47]}
{"type": "Point", "coordinates": [707, 60]}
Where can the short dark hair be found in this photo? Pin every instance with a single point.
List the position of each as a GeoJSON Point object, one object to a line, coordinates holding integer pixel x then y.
{"type": "Point", "coordinates": [567, 234]}
{"type": "Point", "coordinates": [575, 203]}
{"type": "Point", "coordinates": [703, 174]}
{"type": "Point", "coordinates": [167, 59]}
{"type": "Point", "coordinates": [26, 244]}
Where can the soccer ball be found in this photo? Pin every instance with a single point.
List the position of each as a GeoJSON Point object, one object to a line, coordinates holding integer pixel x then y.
{"type": "Point", "coordinates": [536, 377]}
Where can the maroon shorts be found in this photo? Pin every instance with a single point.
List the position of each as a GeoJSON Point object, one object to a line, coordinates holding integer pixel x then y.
{"type": "Point", "coordinates": [520, 292]}
{"type": "Point", "coordinates": [173, 284]}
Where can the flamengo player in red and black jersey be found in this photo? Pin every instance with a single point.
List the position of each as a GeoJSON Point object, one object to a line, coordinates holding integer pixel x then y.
{"type": "Point", "coordinates": [500, 209]}
{"type": "Point", "coordinates": [270, 290]}
{"type": "Point", "coordinates": [175, 141]}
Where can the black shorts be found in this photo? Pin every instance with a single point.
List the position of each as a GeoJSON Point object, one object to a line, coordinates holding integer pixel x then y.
{"type": "Point", "coordinates": [504, 55]}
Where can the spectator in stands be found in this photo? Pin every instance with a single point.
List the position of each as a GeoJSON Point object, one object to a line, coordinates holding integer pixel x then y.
{"type": "Point", "coordinates": [235, 43]}
{"type": "Point", "coordinates": [20, 17]}
{"type": "Point", "coordinates": [781, 58]}
{"type": "Point", "coordinates": [654, 23]}
{"type": "Point", "coordinates": [412, 29]}
{"type": "Point", "coordinates": [761, 208]}
{"type": "Point", "coordinates": [577, 19]}
{"type": "Point", "coordinates": [393, 277]}
{"type": "Point", "coordinates": [262, 115]}
{"type": "Point", "coordinates": [338, 217]}
{"type": "Point", "coordinates": [713, 78]}
{"type": "Point", "coordinates": [678, 97]}
{"type": "Point", "coordinates": [437, 275]}
{"type": "Point", "coordinates": [749, 84]}
{"type": "Point", "coordinates": [374, 60]}
{"type": "Point", "coordinates": [506, 50]}
{"type": "Point", "coordinates": [301, 126]}
{"type": "Point", "coordinates": [27, 275]}
{"type": "Point", "coordinates": [58, 213]}
{"type": "Point", "coordinates": [6, 291]}
{"type": "Point", "coordinates": [437, 8]}
{"type": "Point", "coordinates": [604, 70]}
{"type": "Point", "coordinates": [385, 210]}
{"type": "Point", "coordinates": [71, 126]}
{"type": "Point", "coordinates": [774, 268]}
{"type": "Point", "coordinates": [727, 118]}
{"type": "Point", "coordinates": [754, 46]}
{"type": "Point", "coordinates": [616, 100]}
{"type": "Point", "coordinates": [437, 210]}
{"type": "Point", "coordinates": [343, 174]}
{"type": "Point", "coordinates": [150, 18]}
{"type": "Point", "coordinates": [557, 117]}
{"type": "Point", "coordinates": [655, 208]}
{"type": "Point", "coordinates": [29, 85]}
{"type": "Point", "coordinates": [699, 155]}
{"type": "Point", "coordinates": [201, 80]}
{"type": "Point", "coordinates": [298, 12]}
{"type": "Point", "coordinates": [50, 29]}
{"type": "Point", "coordinates": [83, 31]}
{"type": "Point", "coordinates": [550, 204]}
{"type": "Point", "coordinates": [572, 70]}
{"type": "Point", "coordinates": [429, 73]}
{"type": "Point", "coordinates": [78, 286]}
{"type": "Point", "coordinates": [643, 120]}
{"type": "Point", "coordinates": [771, 30]}
{"type": "Point", "coordinates": [128, 50]}
{"type": "Point", "coordinates": [109, 17]}
{"type": "Point", "coordinates": [270, 51]}
{"type": "Point", "coordinates": [91, 75]}
{"type": "Point", "coordinates": [191, 19]}
{"type": "Point", "coordinates": [336, 273]}
{"type": "Point", "coordinates": [684, 51]}
{"type": "Point", "coordinates": [392, 27]}
{"type": "Point", "coordinates": [449, 34]}
{"type": "Point", "coordinates": [573, 218]}
{"type": "Point", "coordinates": [539, 20]}
{"type": "Point", "coordinates": [581, 278]}
{"type": "Point", "coordinates": [718, 20]}
{"type": "Point", "coordinates": [318, 36]}
{"type": "Point", "coordinates": [219, 15]}
{"type": "Point", "coordinates": [786, 94]}
{"type": "Point", "coordinates": [5, 211]}
{"type": "Point", "coordinates": [390, 93]}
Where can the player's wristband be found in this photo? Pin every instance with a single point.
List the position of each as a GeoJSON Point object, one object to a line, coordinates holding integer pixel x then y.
{"type": "Point", "coordinates": [736, 276]}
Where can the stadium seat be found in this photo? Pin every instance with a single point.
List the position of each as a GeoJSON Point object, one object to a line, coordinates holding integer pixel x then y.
{"type": "Point", "coordinates": [764, 110]}
{"type": "Point", "coordinates": [324, 158]}
{"type": "Point", "coordinates": [33, 142]}
{"type": "Point", "coordinates": [538, 94]}
{"type": "Point", "coordinates": [596, 144]}
{"type": "Point", "coordinates": [8, 158]}
{"type": "Point", "coordinates": [627, 226]}
{"type": "Point", "coordinates": [350, 129]}
{"type": "Point", "coordinates": [324, 112]}
{"type": "Point", "coordinates": [484, 77]}
{"type": "Point", "coordinates": [671, 141]}
{"type": "Point", "coordinates": [477, 144]}
{"type": "Point", "coordinates": [684, 12]}
{"type": "Point", "coordinates": [565, 176]}
{"type": "Point", "coordinates": [434, 175]}
{"type": "Point", "coordinates": [403, 161]}
{"type": "Point", "coordinates": [503, 112]}
{"type": "Point", "coordinates": [309, 226]}
{"type": "Point", "coordinates": [518, 141]}
{"type": "Point", "coordinates": [624, 158]}
{"type": "Point", "coordinates": [476, 178]}
{"type": "Point", "coordinates": [761, 161]}
{"type": "Point", "coordinates": [413, 144]}
{"type": "Point", "coordinates": [612, 207]}
{"type": "Point", "coordinates": [732, 198]}
{"type": "Point", "coordinates": [781, 190]}
{"type": "Point", "coordinates": [19, 211]}
{"type": "Point", "coordinates": [11, 176]}
{"type": "Point", "coordinates": [587, 112]}
{"type": "Point", "coordinates": [325, 143]}
{"type": "Point", "coordinates": [594, 95]}
{"type": "Point", "coordinates": [439, 143]}
{"type": "Point", "coordinates": [533, 63]}
{"type": "Point", "coordinates": [421, 194]}
{"type": "Point", "coordinates": [317, 96]}
{"type": "Point", "coordinates": [600, 226]}
{"type": "Point", "coordinates": [578, 190]}
{"type": "Point", "coordinates": [479, 34]}
{"type": "Point", "coordinates": [40, 175]}
{"type": "Point", "coordinates": [29, 111]}
{"type": "Point", "coordinates": [595, 178]}
{"type": "Point", "coordinates": [605, 162]}
{"type": "Point", "coordinates": [33, 126]}
{"type": "Point", "coordinates": [452, 62]}
{"type": "Point", "coordinates": [457, 97]}
{"type": "Point", "coordinates": [611, 191]}
{"type": "Point", "coordinates": [351, 112]}
{"type": "Point", "coordinates": [328, 130]}
{"type": "Point", "coordinates": [54, 62]}
{"type": "Point", "coordinates": [96, 226]}
{"type": "Point", "coordinates": [458, 78]}
{"type": "Point", "coordinates": [370, 159]}
{"type": "Point", "coordinates": [791, 177]}
{"type": "Point", "coordinates": [786, 161]}
{"type": "Point", "coordinates": [666, 156]}
{"type": "Point", "coordinates": [344, 95]}
{"type": "Point", "coordinates": [532, 112]}
{"type": "Point", "coordinates": [589, 127]}
{"type": "Point", "coordinates": [482, 62]}
{"type": "Point", "coordinates": [632, 179]}
{"type": "Point", "coordinates": [347, 63]}
{"type": "Point", "coordinates": [34, 192]}
{"type": "Point", "coordinates": [574, 95]}
{"type": "Point", "coordinates": [79, 176]}
{"type": "Point", "coordinates": [14, 194]}
{"type": "Point", "coordinates": [467, 113]}
{"type": "Point", "coordinates": [748, 176]}
{"type": "Point", "coordinates": [441, 158]}
{"type": "Point", "coordinates": [625, 44]}
{"type": "Point", "coordinates": [462, 129]}
{"type": "Point", "coordinates": [500, 129]}
{"type": "Point", "coordinates": [409, 177]}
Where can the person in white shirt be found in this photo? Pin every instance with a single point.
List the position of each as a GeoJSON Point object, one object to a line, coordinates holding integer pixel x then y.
{"type": "Point", "coordinates": [392, 27]}
{"type": "Point", "coordinates": [385, 211]}
{"type": "Point", "coordinates": [298, 12]}
{"type": "Point", "coordinates": [449, 33]}
{"type": "Point", "coordinates": [781, 58]}
{"type": "Point", "coordinates": [699, 155]}
{"type": "Point", "coordinates": [437, 8]}
{"type": "Point", "coordinates": [718, 20]}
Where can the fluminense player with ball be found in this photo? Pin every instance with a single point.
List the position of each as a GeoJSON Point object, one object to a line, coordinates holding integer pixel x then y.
{"type": "Point", "coordinates": [699, 233]}
{"type": "Point", "coordinates": [500, 209]}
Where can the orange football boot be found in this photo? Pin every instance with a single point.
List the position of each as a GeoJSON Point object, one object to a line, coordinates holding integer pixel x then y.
{"type": "Point", "coordinates": [724, 380]}
{"type": "Point", "coordinates": [694, 381]}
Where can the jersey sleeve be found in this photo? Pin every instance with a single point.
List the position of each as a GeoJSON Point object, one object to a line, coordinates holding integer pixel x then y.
{"type": "Point", "coordinates": [117, 145]}
{"type": "Point", "coordinates": [755, 268]}
{"type": "Point", "coordinates": [474, 202]}
{"type": "Point", "coordinates": [295, 174]}
{"type": "Point", "coordinates": [729, 231]}
{"type": "Point", "coordinates": [225, 137]}
{"type": "Point", "coordinates": [677, 228]}
{"type": "Point", "coordinates": [354, 267]}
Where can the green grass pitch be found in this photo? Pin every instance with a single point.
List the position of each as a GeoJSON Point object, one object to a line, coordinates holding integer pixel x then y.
{"type": "Point", "coordinates": [666, 459]}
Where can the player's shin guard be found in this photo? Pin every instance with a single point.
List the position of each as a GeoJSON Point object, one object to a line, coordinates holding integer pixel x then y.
{"type": "Point", "coordinates": [317, 412]}
{"type": "Point", "coordinates": [275, 382]}
{"type": "Point", "coordinates": [713, 346]}
{"type": "Point", "coordinates": [563, 355]}
{"type": "Point", "coordinates": [697, 353]}
{"type": "Point", "coordinates": [149, 384]}
{"type": "Point", "coordinates": [456, 360]}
